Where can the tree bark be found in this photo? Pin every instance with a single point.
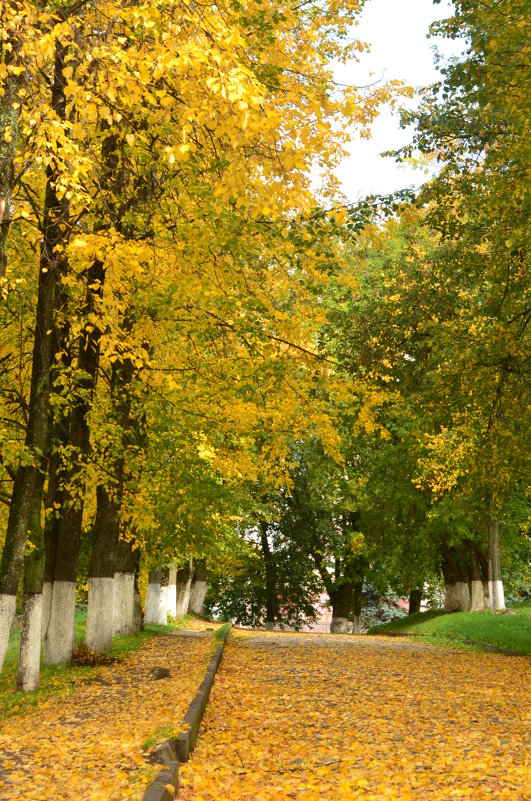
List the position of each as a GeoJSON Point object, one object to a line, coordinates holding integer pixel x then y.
{"type": "Point", "coordinates": [456, 580]}
{"type": "Point", "coordinates": [106, 532]}
{"type": "Point", "coordinates": [151, 609]}
{"type": "Point", "coordinates": [495, 575]}
{"type": "Point", "coordinates": [356, 606]}
{"type": "Point", "coordinates": [59, 635]}
{"type": "Point", "coordinates": [30, 636]}
{"type": "Point", "coordinates": [172, 592]}
{"type": "Point", "coordinates": [415, 598]}
{"type": "Point", "coordinates": [163, 598]}
{"type": "Point", "coordinates": [183, 587]}
{"type": "Point", "coordinates": [125, 582]}
{"type": "Point", "coordinates": [10, 106]}
{"type": "Point", "coordinates": [271, 595]}
{"type": "Point", "coordinates": [27, 484]}
{"type": "Point", "coordinates": [341, 600]}
{"type": "Point", "coordinates": [199, 587]}
{"type": "Point", "coordinates": [478, 580]}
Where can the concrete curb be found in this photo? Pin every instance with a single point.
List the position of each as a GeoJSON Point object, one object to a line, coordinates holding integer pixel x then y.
{"type": "Point", "coordinates": [178, 749]}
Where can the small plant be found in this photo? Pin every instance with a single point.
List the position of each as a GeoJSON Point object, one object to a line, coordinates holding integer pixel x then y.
{"type": "Point", "coordinates": [161, 733]}
{"type": "Point", "coordinates": [84, 656]}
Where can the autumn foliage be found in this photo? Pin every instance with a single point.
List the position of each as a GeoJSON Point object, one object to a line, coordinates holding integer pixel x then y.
{"type": "Point", "coordinates": [96, 742]}
{"type": "Point", "coordinates": [312, 717]}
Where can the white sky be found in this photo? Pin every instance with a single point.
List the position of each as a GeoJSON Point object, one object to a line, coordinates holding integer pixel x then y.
{"type": "Point", "coordinates": [396, 31]}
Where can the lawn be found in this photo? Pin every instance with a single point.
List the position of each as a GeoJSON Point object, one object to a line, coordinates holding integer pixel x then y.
{"type": "Point", "coordinates": [509, 630]}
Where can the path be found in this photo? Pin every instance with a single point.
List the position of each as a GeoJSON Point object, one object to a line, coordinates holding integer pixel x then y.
{"type": "Point", "coordinates": [314, 716]}
{"type": "Point", "coordinates": [87, 747]}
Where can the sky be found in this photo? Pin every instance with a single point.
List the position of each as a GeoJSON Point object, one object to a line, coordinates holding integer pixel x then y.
{"type": "Point", "coordinates": [396, 31]}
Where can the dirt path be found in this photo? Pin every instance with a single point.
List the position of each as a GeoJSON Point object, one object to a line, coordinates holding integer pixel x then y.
{"type": "Point", "coordinates": [315, 716]}
{"type": "Point", "coordinates": [87, 747]}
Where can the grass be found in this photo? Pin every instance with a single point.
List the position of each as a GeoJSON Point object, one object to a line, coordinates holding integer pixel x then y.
{"type": "Point", "coordinates": [161, 733]}
{"type": "Point", "coordinates": [218, 634]}
{"type": "Point", "coordinates": [508, 631]}
{"type": "Point", "coordinates": [63, 679]}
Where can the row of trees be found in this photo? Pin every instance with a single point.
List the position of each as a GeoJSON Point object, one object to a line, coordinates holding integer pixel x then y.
{"type": "Point", "coordinates": [434, 337]}
{"type": "Point", "coordinates": [161, 249]}
{"type": "Point", "coordinates": [193, 347]}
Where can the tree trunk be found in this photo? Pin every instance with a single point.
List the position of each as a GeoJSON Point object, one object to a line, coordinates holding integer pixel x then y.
{"type": "Point", "coordinates": [151, 609]}
{"type": "Point", "coordinates": [199, 587]}
{"type": "Point", "coordinates": [478, 582]}
{"type": "Point", "coordinates": [271, 598]}
{"type": "Point", "coordinates": [10, 105]}
{"type": "Point", "coordinates": [127, 616]}
{"type": "Point", "coordinates": [101, 572]}
{"type": "Point", "coordinates": [52, 504]}
{"type": "Point", "coordinates": [30, 636]}
{"type": "Point", "coordinates": [356, 607]}
{"type": "Point", "coordinates": [456, 580]}
{"type": "Point", "coordinates": [495, 575]}
{"type": "Point", "coordinates": [415, 598]}
{"type": "Point", "coordinates": [183, 587]}
{"type": "Point", "coordinates": [127, 563]}
{"type": "Point", "coordinates": [172, 592]}
{"type": "Point", "coordinates": [27, 485]}
{"type": "Point", "coordinates": [341, 600]}
{"type": "Point", "coordinates": [106, 533]}
{"type": "Point", "coordinates": [163, 597]}
{"type": "Point", "coordinates": [138, 616]}
{"type": "Point", "coordinates": [59, 635]}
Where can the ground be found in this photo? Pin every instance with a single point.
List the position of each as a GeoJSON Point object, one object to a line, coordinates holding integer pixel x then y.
{"type": "Point", "coordinates": [291, 716]}
{"type": "Point", "coordinates": [315, 716]}
{"type": "Point", "coordinates": [93, 744]}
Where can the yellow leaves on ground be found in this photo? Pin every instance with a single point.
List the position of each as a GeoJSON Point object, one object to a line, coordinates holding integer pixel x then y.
{"type": "Point", "coordinates": [321, 716]}
{"type": "Point", "coordinates": [88, 746]}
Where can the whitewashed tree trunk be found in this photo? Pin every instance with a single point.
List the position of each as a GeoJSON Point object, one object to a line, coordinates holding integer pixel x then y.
{"type": "Point", "coordinates": [123, 622]}
{"type": "Point", "coordinates": [100, 613]}
{"type": "Point", "coordinates": [479, 596]}
{"type": "Point", "coordinates": [47, 595]}
{"type": "Point", "coordinates": [138, 617]}
{"type": "Point", "coordinates": [463, 596]}
{"type": "Point", "coordinates": [197, 597]}
{"type": "Point", "coordinates": [356, 624]}
{"type": "Point", "coordinates": [30, 643]}
{"type": "Point", "coordinates": [126, 596]}
{"type": "Point", "coordinates": [199, 587]}
{"type": "Point", "coordinates": [457, 597]}
{"type": "Point", "coordinates": [151, 609]}
{"type": "Point", "coordinates": [163, 597]}
{"type": "Point", "coordinates": [7, 613]}
{"type": "Point", "coordinates": [60, 638]}
{"type": "Point", "coordinates": [339, 625]}
{"type": "Point", "coordinates": [451, 602]}
{"type": "Point", "coordinates": [497, 594]}
{"type": "Point", "coordinates": [172, 592]}
{"type": "Point", "coordinates": [184, 584]}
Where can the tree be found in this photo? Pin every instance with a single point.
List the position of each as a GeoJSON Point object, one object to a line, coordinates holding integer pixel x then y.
{"type": "Point", "coordinates": [175, 157]}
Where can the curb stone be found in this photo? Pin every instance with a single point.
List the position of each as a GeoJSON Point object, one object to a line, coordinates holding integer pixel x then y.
{"type": "Point", "coordinates": [178, 749]}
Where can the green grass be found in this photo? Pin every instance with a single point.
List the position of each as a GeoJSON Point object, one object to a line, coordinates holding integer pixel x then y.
{"type": "Point", "coordinates": [161, 733]}
{"type": "Point", "coordinates": [219, 632]}
{"type": "Point", "coordinates": [64, 679]}
{"type": "Point", "coordinates": [508, 631]}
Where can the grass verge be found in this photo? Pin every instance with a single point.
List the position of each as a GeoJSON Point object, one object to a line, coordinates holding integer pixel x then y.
{"type": "Point", "coordinates": [218, 634]}
{"type": "Point", "coordinates": [507, 631]}
{"type": "Point", "coordinates": [63, 679]}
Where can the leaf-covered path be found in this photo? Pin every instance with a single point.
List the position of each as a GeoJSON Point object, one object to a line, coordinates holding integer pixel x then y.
{"type": "Point", "coordinates": [316, 716]}
{"type": "Point", "coordinates": [87, 747]}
